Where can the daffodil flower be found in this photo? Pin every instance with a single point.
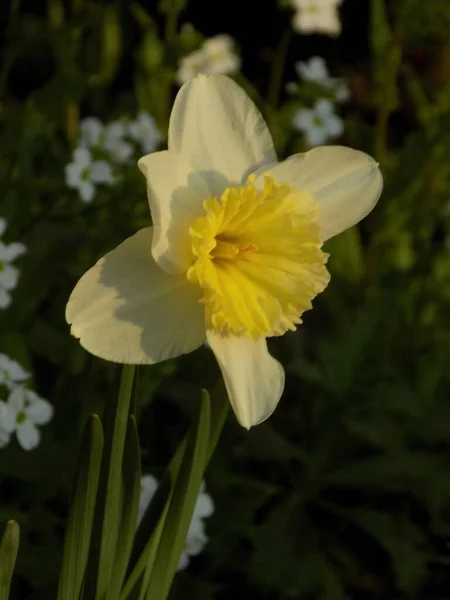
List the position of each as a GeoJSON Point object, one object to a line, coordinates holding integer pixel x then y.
{"type": "Point", "coordinates": [235, 252]}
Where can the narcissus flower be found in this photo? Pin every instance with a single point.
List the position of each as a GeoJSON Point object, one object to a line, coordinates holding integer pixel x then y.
{"type": "Point", "coordinates": [235, 252]}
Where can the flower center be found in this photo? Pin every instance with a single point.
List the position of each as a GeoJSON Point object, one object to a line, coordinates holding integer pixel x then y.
{"type": "Point", "coordinates": [257, 256]}
{"type": "Point", "coordinates": [21, 417]}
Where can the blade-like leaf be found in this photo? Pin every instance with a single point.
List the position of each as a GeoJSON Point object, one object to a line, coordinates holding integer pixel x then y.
{"type": "Point", "coordinates": [131, 476]}
{"type": "Point", "coordinates": [186, 486]}
{"type": "Point", "coordinates": [8, 553]}
{"type": "Point", "coordinates": [78, 534]}
{"type": "Point", "coordinates": [150, 529]}
{"type": "Point", "coordinates": [108, 509]}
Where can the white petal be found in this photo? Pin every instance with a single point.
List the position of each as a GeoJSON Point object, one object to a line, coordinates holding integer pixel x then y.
{"type": "Point", "coordinates": [316, 135]}
{"type": "Point", "coordinates": [87, 190]}
{"type": "Point", "coordinates": [5, 299]}
{"type": "Point", "coordinates": [196, 537]}
{"type": "Point", "coordinates": [5, 438]}
{"type": "Point", "coordinates": [253, 378]}
{"type": "Point", "coordinates": [128, 310]}
{"type": "Point", "coordinates": [176, 195]}
{"type": "Point", "coordinates": [346, 182]}
{"type": "Point", "coordinates": [183, 562]}
{"type": "Point", "coordinates": [101, 172]}
{"type": "Point", "coordinates": [13, 251]}
{"type": "Point", "coordinates": [149, 485]}
{"type": "Point", "coordinates": [73, 175]}
{"type": "Point", "coordinates": [91, 130]}
{"type": "Point", "coordinates": [82, 157]}
{"type": "Point", "coordinates": [7, 418]}
{"type": "Point", "coordinates": [303, 119]}
{"type": "Point", "coordinates": [16, 399]}
{"type": "Point", "coordinates": [9, 277]}
{"type": "Point", "coordinates": [219, 130]}
{"type": "Point", "coordinates": [28, 435]}
{"type": "Point", "coordinates": [324, 107]}
{"type": "Point", "coordinates": [204, 507]}
{"type": "Point", "coordinates": [334, 126]}
{"type": "Point", "coordinates": [2, 226]}
{"type": "Point", "coordinates": [39, 411]}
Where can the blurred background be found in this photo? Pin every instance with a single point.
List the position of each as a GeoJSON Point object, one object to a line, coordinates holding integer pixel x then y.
{"type": "Point", "coordinates": [345, 492]}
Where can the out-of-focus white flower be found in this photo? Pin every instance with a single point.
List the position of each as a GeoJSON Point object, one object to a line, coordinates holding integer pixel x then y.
{"type": "Point", "coordinates": [341, 91]}
{"type": "Point", "coordinates": [196, 538]}
{"type": "Point", "coordinates": [23, 411]}
{"type": "Point", "coordinates": [83, 173]}
{"type": "Point", "coordinates": [149, 485]}
{"type": "Point", "coordinates": [111, 138]}
{"type": "Point", "coordinates": [115, 144]}
{"type": "Point", "coordinates": [9, 275]}
{"type": "Point", "coordinates": [11, 373]}
{"type": "Point", "coordinates": [317, 16]}
{"type": "Point", "coordinates": [315, 69]}
{"type": "Point", "coordinates": [320, 123]}
{"type": "Point", "coordinates": [144, 131]}
{"type": "Point", "coordinates": [91, 132]}
{"type": "Point", "coordinates": [216, 55]}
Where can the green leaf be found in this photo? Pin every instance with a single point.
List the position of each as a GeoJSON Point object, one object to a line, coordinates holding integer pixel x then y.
{"type": "Point", "coordinates": [380, 31]}
{"type": "Point", "coordinates": [78, 534]}
{"type": "Point", "coordinates": [131, 475]}
{"type": "Point", "coordinates": [186, 486]}
{"type": "Point", "coordinates": [8, 553]}
{"type": "Point", "coordinates": [110, 493]}
{"type": "Point", "coordinates": [152, 524]}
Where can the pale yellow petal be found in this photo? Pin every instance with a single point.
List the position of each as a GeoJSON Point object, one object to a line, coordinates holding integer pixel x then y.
{"type": "Point", "coordinates": [347, 183]}
{"type": "Point", "coordinates": [127, 310]}
{"type": "Point", "coordinates": [175, 194]}
{"type": "Point", "coordinates": [253, 378]}
{"type": "Point", "coordinates": [219, 130]}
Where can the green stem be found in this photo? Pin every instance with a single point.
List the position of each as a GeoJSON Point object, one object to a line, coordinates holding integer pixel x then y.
{"type": "Point", "coordinates": [108, 509]}
{"type": "Point", "coordinates": [276, 75]}
{"type": "Point", "coordinates": [8, 554]}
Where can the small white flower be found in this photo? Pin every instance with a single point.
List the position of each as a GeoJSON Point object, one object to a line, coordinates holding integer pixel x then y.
{"type": "Point", "coordinates": [216, 55]}
{"type": "Point", "coordinates": [91, 131]}
{"type": "Point", "coordinates": [83, 173]}
{"type": "Point", "coordinates": [341, 92]}
{"type": "Point", "coordinates": [93, 134]}
{"type": "Point", "coordinates": [11, 373]}
{"type": "Point", "coordinates": [9, 275]}
{"type": "Point", "coordinates": [144, 131]}
{"type": "Point", "coordinates": [21, 413]}
{"type": "Point", "coordinates": [196, 538]}
{"type": "Point", "coordinates": [114, 143]}
{"type": "Point", "coordinates": [319, 124]}
{"type": "Point", "coordinates": [315, 69]}
{"type": "Point", "coordinates": [317, 16]}
{"type": "Point", "coordinates": [149, 485]}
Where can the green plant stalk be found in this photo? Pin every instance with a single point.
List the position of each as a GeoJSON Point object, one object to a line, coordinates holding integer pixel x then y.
{"type": "Point", "coordinates": [8, 554]}
{"type": "Point", "coordinates": [110, 494]}
{"type": "Point", "coordinates": [78, 534]}
{"type": "Point", "coordinates": [145, 549]}
{"type": "Point", "coordinates": [277, 72]}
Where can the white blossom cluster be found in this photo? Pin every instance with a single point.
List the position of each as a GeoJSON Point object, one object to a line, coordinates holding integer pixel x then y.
{"type": "Point", "coordinates": [102, 147]}
{"type": "Point", "coordinates": [320, 123]}
{"type": "Point", "coordinates": [9, 274]}
{"type": "Point", "coordinates": [216, 55]}
{"type": "Point", "coordinates": [196, 538]}
{"type": "Point", "coordinates": [22, 410]}
{"type": "Point", "coordinates": [317, 16]}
